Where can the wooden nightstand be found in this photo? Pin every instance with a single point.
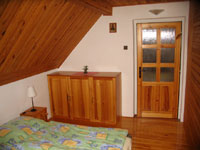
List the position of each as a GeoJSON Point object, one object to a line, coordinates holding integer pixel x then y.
{"type": "Point", "coordinates": [40, 113]}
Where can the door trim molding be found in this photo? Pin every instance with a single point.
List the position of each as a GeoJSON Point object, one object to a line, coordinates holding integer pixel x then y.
{"type": "Point", "coordinates": [183, 66]}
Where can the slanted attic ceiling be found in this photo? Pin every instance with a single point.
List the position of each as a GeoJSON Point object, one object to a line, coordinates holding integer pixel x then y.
{"type": "Point", "coordinates": [38, 35]}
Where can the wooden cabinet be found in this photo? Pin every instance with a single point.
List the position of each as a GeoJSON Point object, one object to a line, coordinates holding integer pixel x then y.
{"type": "Point", "coordinates": [60, 97]}
{"type": "Point", "coordinates": [80, 97]}
{"type": "Point", "coordinates": [93, 98]}
{"type": "Point", "coordinates": [40, 113]}
{"type": "Point", "coordinates": [103, 106]}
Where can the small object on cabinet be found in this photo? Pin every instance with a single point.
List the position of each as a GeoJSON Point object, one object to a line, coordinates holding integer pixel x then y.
{"type": "Point", "coordinates": [85, 68]}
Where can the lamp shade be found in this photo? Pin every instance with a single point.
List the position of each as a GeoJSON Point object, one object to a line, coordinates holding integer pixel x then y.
{"type": "Point", "coordinates": [31, 92]}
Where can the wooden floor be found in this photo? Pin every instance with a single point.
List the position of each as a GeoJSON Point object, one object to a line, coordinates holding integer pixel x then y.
{"type": "Point", "coordinates": [153, 134]}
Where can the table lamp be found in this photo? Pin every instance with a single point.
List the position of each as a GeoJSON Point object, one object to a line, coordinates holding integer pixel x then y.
{"type": "Point", "coordinates": [31, 93]}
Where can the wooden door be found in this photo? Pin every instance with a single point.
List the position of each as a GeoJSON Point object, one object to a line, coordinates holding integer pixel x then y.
{"type": "Point", "coordinates": [59, 97]}
{"type": "Point", "coordinates": [80, 97]}
{"type": "Point", "coordinates": [158, 69]}
{"type": "Point", "coordinates": [103, 107]}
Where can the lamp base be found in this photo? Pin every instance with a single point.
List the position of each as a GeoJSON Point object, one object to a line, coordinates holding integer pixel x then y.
{"type": "Point", "coordinates": [33, 109]}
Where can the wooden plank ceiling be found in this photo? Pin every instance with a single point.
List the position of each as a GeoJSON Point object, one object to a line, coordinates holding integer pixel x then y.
{"type": "Point", "coordinates": [38, 35]}
{"type": "Point", "coordinates": [116, 3]}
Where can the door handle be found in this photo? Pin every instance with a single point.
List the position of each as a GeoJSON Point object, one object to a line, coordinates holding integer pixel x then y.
{"type": "Point", "coordinates": [140, 72]}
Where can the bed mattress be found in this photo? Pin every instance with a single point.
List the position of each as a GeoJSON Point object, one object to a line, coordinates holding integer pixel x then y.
{"type": "Point", "coordinates": [128, 144]}
{"type": "Point", "coordinates": [26, 133]}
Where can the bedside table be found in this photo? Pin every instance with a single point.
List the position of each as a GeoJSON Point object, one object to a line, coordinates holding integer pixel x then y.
{"type": "Point", "coordinates": [40, 113]}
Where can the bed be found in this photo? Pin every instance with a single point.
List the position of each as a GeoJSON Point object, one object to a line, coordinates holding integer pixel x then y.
{"type": "Point", "coordinates": [27, 133]}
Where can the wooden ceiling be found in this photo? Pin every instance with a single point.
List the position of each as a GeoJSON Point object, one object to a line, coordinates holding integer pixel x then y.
{"type": "Point", "coordinates": [38, 35]}
{"type": "Point", "coordinates": [116, 3]}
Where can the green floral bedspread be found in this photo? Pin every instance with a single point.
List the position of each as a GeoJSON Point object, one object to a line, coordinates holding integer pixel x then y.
{"type": "Point", "coordinates": [26, 133]}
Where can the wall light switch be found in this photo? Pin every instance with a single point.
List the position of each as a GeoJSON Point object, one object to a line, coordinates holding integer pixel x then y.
{"type": "Point", "coordinates": [125, 47]}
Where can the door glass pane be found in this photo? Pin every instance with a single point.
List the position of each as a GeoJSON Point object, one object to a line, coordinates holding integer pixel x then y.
{"type": "Point", "coordinates": [149, 55]}
{"type": "Point", "coordinates": [149, 74]}
{"type": "Point", "coordinates": [167, 74]}
{"type": "Point", "coordinates": [149, 36]}
{"type": "Point", "coordinates": [167, 35]}
{"type": "Point", "coordinates": [167, 55]}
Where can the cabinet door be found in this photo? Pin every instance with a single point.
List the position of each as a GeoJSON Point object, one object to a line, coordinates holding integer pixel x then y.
{"type": "Point", "coordinates": [104, 100]}
{"type": "Point", "coordinates": [80, 97]}
{"type": "Point", "coordinates": [59, 97]}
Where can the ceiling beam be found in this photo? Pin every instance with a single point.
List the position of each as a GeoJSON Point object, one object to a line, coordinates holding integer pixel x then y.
{"type": "Point", "coordinates": [117, 3]}
{"type": "Point", "coordinates": [100, 6]}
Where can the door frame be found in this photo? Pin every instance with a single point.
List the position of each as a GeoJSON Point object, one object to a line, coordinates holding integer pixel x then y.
{"type": "Point", "coordinates": [183, 60]}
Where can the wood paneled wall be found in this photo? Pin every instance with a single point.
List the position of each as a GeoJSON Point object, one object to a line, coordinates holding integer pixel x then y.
{"type": "Point", "coordinates": [192, 104]}
{"type": "Point", "coordinates": [36, 36]}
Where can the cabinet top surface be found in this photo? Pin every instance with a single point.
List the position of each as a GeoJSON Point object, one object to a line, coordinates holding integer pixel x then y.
{"type": "Point", "coordinates": [89, 74]}
{"type": "Point", "coordinates": [38, 111]}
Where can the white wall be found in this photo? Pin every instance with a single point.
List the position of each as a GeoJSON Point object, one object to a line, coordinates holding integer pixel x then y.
{"type": "Point", "coordinates": [14, 100]}
{"type": "Point", "coordinates": [103, 51]}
